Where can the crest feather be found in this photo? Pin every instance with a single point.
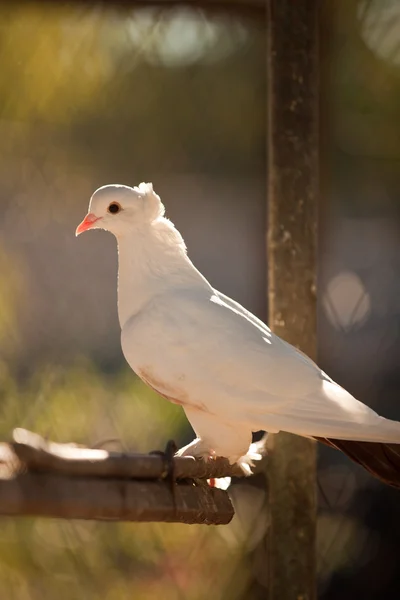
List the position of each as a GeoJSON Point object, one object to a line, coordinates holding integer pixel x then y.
{"type": "Point", "coordinates": [152, 205]}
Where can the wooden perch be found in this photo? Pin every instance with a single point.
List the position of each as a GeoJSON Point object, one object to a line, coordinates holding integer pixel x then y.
{"type": "Point", "coordinates": [70, 459]}
{"type": "Point", "coordinates": [39, 494]}
{"type": "Point", "coordinates": [44, 478]}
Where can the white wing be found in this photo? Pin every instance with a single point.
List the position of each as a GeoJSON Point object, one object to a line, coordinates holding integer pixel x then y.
{"type": "Point", "coordinates": [207, 352]}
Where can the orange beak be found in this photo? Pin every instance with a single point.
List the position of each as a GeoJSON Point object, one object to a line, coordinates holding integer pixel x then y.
{"type": "Point", "coordinates": [87, 223]}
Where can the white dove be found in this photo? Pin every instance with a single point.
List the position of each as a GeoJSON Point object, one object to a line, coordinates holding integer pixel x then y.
{"type": "Point", "coordinates": [204, 351]}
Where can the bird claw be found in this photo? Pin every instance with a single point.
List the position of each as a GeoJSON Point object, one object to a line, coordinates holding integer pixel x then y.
{"type": "Point", "coordinates": [197, 450]}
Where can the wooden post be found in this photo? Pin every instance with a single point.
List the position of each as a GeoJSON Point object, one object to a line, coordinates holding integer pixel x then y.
{"type": "Point", "coordinates": [292, 235]}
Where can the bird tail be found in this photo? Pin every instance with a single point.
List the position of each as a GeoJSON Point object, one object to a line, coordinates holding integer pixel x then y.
{"type": "Point", "coordinates": [382, 460]}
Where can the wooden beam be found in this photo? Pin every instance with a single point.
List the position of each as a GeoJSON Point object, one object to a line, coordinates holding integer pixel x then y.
{"type": "Point", "coordinates": [39, 477]}
{"type": "Point", "coordinates": [40, 455]}
{"type": "Point", "coordinates": [292, 237]}
{"type": "Point", "coordinates": [47, 495]}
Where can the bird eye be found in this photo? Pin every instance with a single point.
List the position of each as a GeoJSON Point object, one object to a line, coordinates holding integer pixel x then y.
{"type": "Point", "coordinates": [114, 208]}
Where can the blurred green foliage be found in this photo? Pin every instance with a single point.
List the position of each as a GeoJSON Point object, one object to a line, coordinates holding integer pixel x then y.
{"type": "Point", "coordinates": [12, 298]}
{"type": "Point", "coordinates": [48, 558]}
{"type": "Point", "coordinates": [154, 73]}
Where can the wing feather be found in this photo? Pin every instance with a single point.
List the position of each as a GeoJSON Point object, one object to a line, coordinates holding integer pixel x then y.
{"type": "Point", "coordinates": [214, 353]}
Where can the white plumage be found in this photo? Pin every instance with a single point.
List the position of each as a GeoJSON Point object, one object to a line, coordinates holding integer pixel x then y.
{"type": "Point", "coordinates": [204, 351]}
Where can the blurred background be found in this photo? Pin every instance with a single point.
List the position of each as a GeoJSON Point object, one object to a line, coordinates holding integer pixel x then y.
{"type": "Point", "coordinates": [91, 94]}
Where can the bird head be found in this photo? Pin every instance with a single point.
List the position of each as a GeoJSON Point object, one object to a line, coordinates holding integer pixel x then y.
{"type": "Point", "coordinates": [120, 208]}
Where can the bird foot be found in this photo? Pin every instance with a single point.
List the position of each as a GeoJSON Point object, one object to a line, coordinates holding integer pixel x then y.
{"type": "Point", "coordinates": [196, 449]}
{"type": "Point", "coordinates": [256, 451]}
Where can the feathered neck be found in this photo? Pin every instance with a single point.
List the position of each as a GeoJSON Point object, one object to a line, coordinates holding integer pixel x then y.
{"type": "Point", "coordinates": [151, 261]}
